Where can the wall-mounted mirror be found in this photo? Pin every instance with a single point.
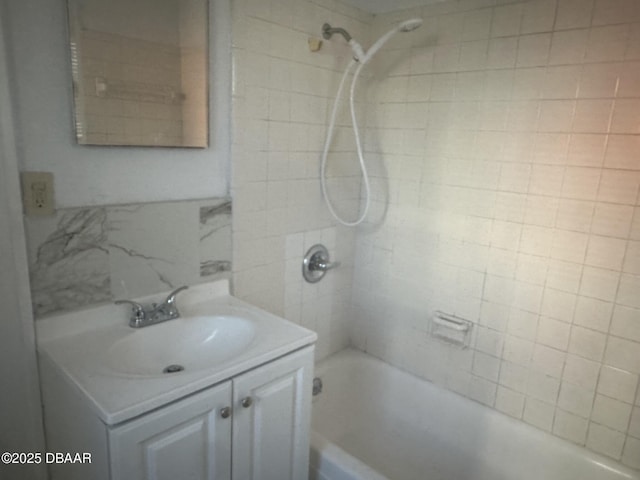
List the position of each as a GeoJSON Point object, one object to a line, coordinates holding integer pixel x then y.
{"type": "Point", "coordinates": [140, 72]}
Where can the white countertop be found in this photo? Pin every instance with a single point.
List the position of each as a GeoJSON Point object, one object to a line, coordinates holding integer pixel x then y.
{"type": "Point", "coordinates": [76, 344]}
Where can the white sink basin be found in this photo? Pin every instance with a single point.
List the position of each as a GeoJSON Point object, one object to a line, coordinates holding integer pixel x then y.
{"type": "Point", "coordinates": [120, 369]}
{"type": "Point", "coordinates": [192, 343]}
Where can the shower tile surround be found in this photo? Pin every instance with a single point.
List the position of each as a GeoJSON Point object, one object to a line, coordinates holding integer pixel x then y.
{"type": "Point", "coordinates": [282, 96]}
{"type": "Point", "coordinates": [511, 139]}
{"type": "Point", "coordinates": [82, 256]}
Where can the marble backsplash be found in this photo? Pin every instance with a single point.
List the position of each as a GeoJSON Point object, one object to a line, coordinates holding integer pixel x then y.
{"type": "Point", "coordinates": [88, 255]}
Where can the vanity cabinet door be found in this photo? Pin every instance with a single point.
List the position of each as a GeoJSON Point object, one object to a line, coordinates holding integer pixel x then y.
{"type": "Point", "coordinates": [271, 421]}
{"type": "Point", "coordinates": [187, 440]}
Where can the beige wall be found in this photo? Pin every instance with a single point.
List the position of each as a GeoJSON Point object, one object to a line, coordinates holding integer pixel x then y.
{"type": "Point", "coordinates": [511, 141]}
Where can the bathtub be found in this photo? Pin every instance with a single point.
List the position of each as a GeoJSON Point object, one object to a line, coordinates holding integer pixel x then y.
{"type": "Point", "coordinates": [375, 422]}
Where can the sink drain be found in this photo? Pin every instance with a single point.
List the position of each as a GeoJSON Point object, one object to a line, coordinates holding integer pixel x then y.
{"type": "Point", "coordinates": [173, 369]}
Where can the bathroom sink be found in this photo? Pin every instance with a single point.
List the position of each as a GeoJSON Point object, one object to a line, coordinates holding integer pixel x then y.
{"type": "Point", "coordinates": [121, 370]}
{"type": "Point", "coordinates": [185, 344]}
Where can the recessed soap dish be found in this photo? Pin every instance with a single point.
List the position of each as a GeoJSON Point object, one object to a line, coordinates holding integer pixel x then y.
{"type": "Point", "coordinates": [451, 329]}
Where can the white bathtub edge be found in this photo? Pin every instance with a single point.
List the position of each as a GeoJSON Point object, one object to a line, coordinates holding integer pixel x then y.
{"type": "Point", "coordinates": [330, 462]}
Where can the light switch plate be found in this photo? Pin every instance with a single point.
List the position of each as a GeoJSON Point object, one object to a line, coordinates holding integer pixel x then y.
{"type": "Point", "coordinates": [37, 193]}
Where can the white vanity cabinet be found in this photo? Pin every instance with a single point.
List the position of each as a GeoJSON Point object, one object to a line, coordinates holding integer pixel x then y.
{"type": "Point", "coordinates": [264, 434]}
{"type": "Point", "coordinates": [238, 409]}
{"type": "Point", "coordinates": [260, 419]}
{"type": "Point", "coordinates": [188, 439]}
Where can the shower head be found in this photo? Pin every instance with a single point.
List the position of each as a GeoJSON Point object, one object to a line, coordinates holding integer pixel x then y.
{"type": "Point", "coordinates": [410, 25]}
{"type": "Point", "coordinates": [406, 26]}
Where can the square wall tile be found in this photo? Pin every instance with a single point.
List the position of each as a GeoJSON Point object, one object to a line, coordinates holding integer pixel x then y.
{"type": "Point", "coordinates": [553, 333]}
{"type": "Point", "coordinates": [622, 152]}
{"type": "Point", "coordinates": [482, 391]}
{"type": "Point", "coordinates": [506, 20]}
{"type": "Point", "coordinates": [604, 440]}
{"type": "Point", "coordinates": [618, 186]}
{"type": "Point", "coordinates": [561, 82]}
{"type": "Point", "coordinates": [575, 215]}
{"type": "Point", "coordinates": [587, 343]}
{"type": "Point", "coordinates": [489, 341]}
{"type": "Point", "coordinates": [628, 291]}
{"type": "Point", "coordinates": [626, 323]}
{"type": "Point", "coordinates": [626, 116]}
{"type": "Point", "coordinates": [558, 304]}
{"type": "Point", "coordinates": [486, 366]}
{"type": "Point", "coordinates": [580, 371]}
{"type": "Point", "coordinates": [564, 276]}
{"type": "Point", "coordinates": [546, 180]}
{"type": "Point", "coordinates": [611, 413]}
{"type": "Point", "coordinates": [570, 427]}
{"type": "Point", "coordinates": [538, 16]}
{"type": "Point", "coordinates": [517, 350]}
{"type": "Point", "coordinates": [541, 210]}
{"type": "Point", "coordinates": [476, 24]}
{"type": "Point", "coordinates": [612, 220]}
{"type": "Point", "coordinates": [623, 354]}
{"type": "Point", "coordinates": [502, 52]}
{"type": "Point", "coordinates": [509, 402]}
{"type": "Point", "coordinates": [513, 376]}
{"type": "Point", "coordinates": [592, 116]}
{"type": "Point", "coordinates": [599, 80]}
{"type": "Point", "coordinates": [599, 283]}
{"type": "Point", "coordinates": [607, 43]}
{"type": "Point", "coordinates": [573, 14]}
{"type": "Point", "coordinates": [575, 399]}
{"type": "Point", "coordinates": [569, 246]}
{"type": "Point", "coordinates": [587, 150]}
{"type": "Point", "coordinates": [615, 11]}
{"type": "Point", "coordinates": [593, 313]}
{"type": "Point", "coordinates": [605, 252]}
{"type": "Point", "coordinates": [533, 50]}
{"type": "Point", "coordinates": [581, 183]}
{"type": "Point", "coordinates": [539, 414]}
{"type": "Point", "coordinates": [568, 47]}
{"type": "Point", "coordinates": [548, 360]}
{"type": "Point", "coordinates": [543, 387]}
{"type": "Point", "coordinates": [617, 383]}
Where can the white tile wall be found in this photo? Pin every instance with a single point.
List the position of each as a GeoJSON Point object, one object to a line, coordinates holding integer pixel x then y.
{"type": "Point", "coordinates": [282, 96]}
{"type": "Point", "coordinates": [503, 144]}
{"type": "Point", "coordinates": [510, 136]}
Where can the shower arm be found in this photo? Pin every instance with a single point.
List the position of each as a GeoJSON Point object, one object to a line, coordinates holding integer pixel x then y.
{"type": "Point", "coordinates": [328, 31]}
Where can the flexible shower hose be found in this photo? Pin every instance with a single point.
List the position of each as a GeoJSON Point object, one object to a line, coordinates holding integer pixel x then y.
{"type": "Point", "coordinates": [356, 132]}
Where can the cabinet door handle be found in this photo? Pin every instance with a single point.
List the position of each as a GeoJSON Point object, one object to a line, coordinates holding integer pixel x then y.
{"type": "Point", "coordinates": [225, 412]}
{"type": "Point", "coordinates": [246, 402]}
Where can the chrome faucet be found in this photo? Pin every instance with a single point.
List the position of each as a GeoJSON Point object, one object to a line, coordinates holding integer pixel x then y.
{"type": "Point", "coordinates": [142, 316]}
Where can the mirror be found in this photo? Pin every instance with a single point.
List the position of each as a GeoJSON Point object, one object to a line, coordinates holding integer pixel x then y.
{"type": "Point", "coordinates": [140, 72]}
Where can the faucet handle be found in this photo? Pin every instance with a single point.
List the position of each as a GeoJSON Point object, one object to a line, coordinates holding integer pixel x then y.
{"type": "Point", "coordinates": [169, 306]}
{"type": "Point", "coordinates": [135, 306]}
{"type": "Point", "coordinates": [171, 298]}
{"type": "Point", "coordinates": [137, 311]}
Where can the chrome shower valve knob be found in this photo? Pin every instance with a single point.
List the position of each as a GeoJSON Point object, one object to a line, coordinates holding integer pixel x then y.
{"type": "Point", "coordinates": [316, 263]}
